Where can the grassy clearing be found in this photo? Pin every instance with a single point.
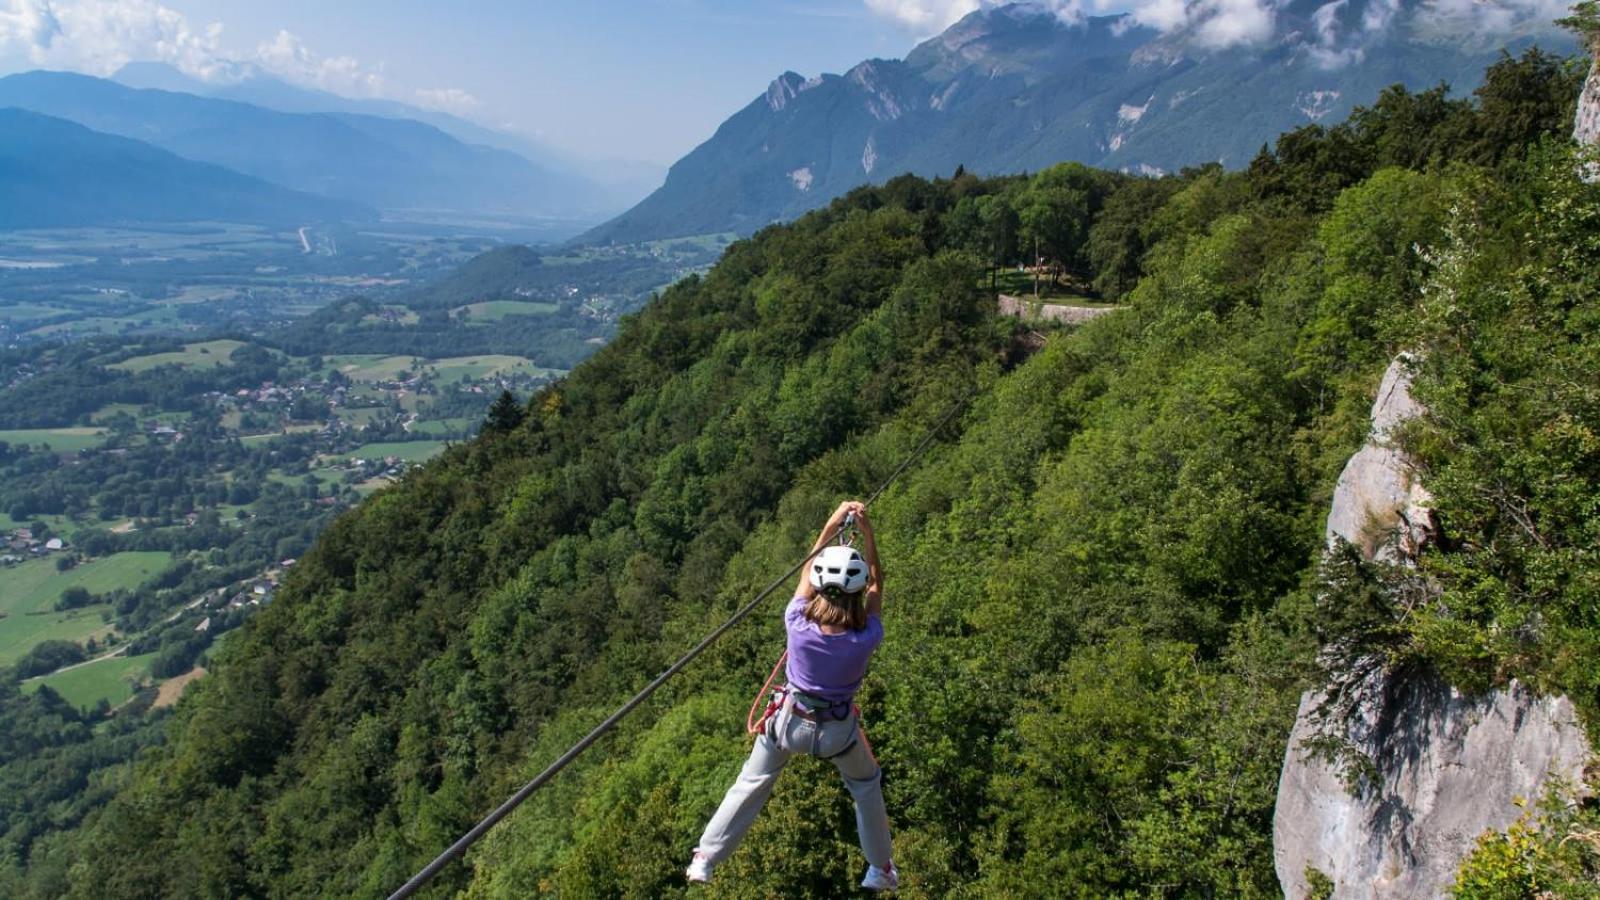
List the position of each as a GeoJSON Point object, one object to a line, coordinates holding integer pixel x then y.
{"type": "Point", "coordinates": [359, 367]}
{"type": "Point", "coordinates": [443, 426]}
{"type": "Point", "coordinates": [694, 241]}
{"type": "Point", "coordinates": [113, 679]}
{"type": "Point", "coordinates": [333, 474]}
{"type": "Point", "coordinates": [495, 310]}
{"type": "Point", "coordinates": [410, 451]}
{"type": "Point", "coordinates": [61, 440]}
{"type": "Point", "coordinates": [476, 367]}
{"type": "Point", "coordinates": [363, 415]}
{"type": "Point", "coordinates": [104, 413]}
{"type": "Point", "coordinates": [205, 354]}
{"type": "Point", "coordinates": [58, 524]}
{"type": "Point", "coordinates": [19, 634]}
{"type": "Point", "coordinates": [1020, 284]}
{"type": "Point", "coordinates": [163, 317]}
{"type": "Point", "coordinates": [28, 312]}
{"type": "Point", "coordinates": [28, 593]}
{"type": "Point", "coordinates": [111, 409]}
{"type": "Point", "coordinates": [366, 367]}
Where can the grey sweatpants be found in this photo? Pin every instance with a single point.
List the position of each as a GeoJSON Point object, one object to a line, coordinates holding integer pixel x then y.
{"type": "Point", "coordinates": [787, 734]}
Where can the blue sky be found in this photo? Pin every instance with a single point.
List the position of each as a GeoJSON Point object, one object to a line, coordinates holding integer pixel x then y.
{"type": "Point", "coordinates": [624, 79]}
{"type": "Point", "coordinates": [607, 80]}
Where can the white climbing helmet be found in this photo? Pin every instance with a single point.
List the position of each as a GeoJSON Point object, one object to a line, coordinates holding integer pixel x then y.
{"type": "Point", "coordinates": [839, 568]}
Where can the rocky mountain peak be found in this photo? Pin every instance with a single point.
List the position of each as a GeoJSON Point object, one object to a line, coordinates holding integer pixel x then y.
{"type": "Point", "coordinates": [783, 89]}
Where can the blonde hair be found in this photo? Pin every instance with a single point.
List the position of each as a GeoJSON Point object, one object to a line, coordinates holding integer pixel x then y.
{"type": "Point", "coordinates": [849, 610]}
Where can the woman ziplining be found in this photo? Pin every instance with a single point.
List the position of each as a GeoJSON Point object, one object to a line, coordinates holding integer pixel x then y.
{"type": "Point", "coordinates": [833, 627]}
{"type": "Point", "coordinates": [878, 878]}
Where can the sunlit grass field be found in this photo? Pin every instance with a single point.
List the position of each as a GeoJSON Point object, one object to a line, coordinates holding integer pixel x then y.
{"type": "Point", "coordinates": [29, 591]}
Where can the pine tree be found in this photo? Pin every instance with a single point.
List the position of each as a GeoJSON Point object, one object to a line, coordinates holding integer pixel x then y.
{"type": "Point", "coordinates": [504, 415]}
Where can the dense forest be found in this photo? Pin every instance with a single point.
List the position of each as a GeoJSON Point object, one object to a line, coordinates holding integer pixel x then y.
{"type": "Point", "coordinates": [1104, 582]}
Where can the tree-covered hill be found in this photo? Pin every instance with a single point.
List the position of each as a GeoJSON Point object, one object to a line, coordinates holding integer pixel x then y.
{"type": "Point", "coordinates": [1103, 597]}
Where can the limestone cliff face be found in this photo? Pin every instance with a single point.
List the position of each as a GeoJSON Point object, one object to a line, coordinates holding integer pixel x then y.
{"type": "Point", "coordinates": [1444, 766]}
{"type": "Point", "coordinates": [1449, 767]}
{"type": "Point", "coordinates": [1378, 504]}
{"type": "Point", "coordinates": [1587, 128]}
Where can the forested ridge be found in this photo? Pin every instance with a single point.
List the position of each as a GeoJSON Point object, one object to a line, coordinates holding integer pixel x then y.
{"type": "Point", "coordinates": [1103, 593]}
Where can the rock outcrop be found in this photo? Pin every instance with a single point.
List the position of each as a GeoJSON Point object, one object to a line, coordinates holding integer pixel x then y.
{"type": "Point", "coordinates": [1379, 505]}
{"type": "Point", "coordinates": [1438, 767]}
{"type": "Point", "coordinates": [1448, 767]}
{"type": "Point", "coordinates": [1587, 128]}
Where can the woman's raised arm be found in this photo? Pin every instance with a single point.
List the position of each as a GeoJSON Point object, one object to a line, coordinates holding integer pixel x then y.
{"type": "Point", "coordinates": [869, 549]}
{"type": "Point", "coordinates": [835, 521]}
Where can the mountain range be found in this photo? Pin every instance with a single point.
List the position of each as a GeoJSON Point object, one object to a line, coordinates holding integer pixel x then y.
{"type": "Point", "coordinates": [1017, 88]}
{"type": "Point", "coordinates": [373, 160]}
{"type": "Point", "coordinates": [58, 173]}
{"type": "Point", "coordinates": [613, 183]}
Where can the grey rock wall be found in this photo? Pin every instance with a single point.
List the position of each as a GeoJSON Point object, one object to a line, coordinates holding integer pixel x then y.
{"type": "Point", "coordinates": [1587, 128]}
{"type": "Point", "coordinates": [1442, 767]}
{"type": "Point", "coordinates": [1450, 766]}
{"type": "Point", "coordinates": [1379, 505]}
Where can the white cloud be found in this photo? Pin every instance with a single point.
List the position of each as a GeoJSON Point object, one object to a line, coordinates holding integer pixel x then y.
{"type": "Point", "coordinates": [1215, 24]}
{"type": "Point", "coordinates": [28, 23]}
{"type": "Point", "coordinates": [99, 36]}
{"type": "Point", "coordinates": [289, 58]}
{"type": "Point", "coordinates": [1223, 23]}
{"type": "Point", "coordinates": [925, 16]}
{"type": "Point", "coordinates": [453, 100]}
{"type": "Point", "coordinates": [1479, 17]}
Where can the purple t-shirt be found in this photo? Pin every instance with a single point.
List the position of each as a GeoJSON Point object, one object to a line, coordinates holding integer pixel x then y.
{"type": "Point", "coordinates": [830, 666]}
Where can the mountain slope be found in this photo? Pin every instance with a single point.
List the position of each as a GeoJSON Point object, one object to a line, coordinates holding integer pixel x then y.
{"type": "Point", "coordinates": [382, 162]}
{"type": "Point", "coordinates": [57, 173]}
{"type": "Point", "coordinates": [1102, 593]}
{"type": "Point", "coordinates": [1016, 88]}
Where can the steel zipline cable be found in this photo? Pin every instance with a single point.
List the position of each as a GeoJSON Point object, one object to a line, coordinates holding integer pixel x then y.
{"type": "Point", "coordinates": [527, 790]}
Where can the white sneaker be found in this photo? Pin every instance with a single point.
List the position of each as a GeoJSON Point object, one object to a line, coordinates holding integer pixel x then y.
{"type": "Point", "coordinates": [881, 879]}
{"type": "Point", "coordinates": [699, 868]}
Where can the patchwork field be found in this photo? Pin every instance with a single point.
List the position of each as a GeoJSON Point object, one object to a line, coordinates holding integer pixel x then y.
{"type": "Point", "coordinates": [410, 451]}
{"type": "Point", "coordinates": [29, 591]}
{"type": "Point", "coordinates": [28, 312]}
{"type": "Point", "coordinates": [206, 353]}
{"type": "Point", "coordinates": [61, 440]}
{"type": "Point", "coordinates": [495, 310]}
{"type": "Point", "coordinates": [359, 367]}
{"type": "Point", "coordinates": [442, 426]}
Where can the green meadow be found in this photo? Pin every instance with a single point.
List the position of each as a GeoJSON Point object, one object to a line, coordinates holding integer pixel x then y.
{"type": "Point", "coordinates": [29, 591]}
{"type": "Point", "coordinates": [113, 679]}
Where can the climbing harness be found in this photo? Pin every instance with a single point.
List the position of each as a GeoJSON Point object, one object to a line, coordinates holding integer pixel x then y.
{"type": "Point", "coordinates": [500, 812]}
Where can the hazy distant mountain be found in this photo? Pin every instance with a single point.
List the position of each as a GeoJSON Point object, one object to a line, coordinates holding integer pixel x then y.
{"type": "Point", "coordinates": [1017, 88]}
{"type": "Point", "coordinates": [618, 182]}
{"type": "Point", "coordinates": [55, 173]}
{"type": "Point", "coordinates": [384, 162]}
